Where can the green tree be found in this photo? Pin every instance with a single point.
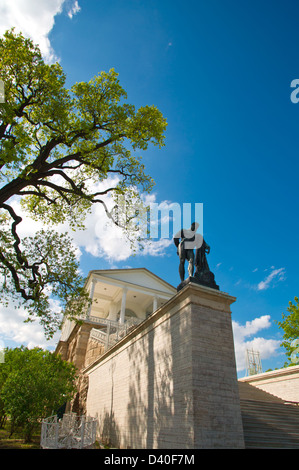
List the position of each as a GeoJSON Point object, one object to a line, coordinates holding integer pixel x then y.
{"type": "Point", "coordinates": [290, 326]}
{"type": "Point", "coordinates": [34, 383]}
{"type": "Point", "coordinates": [56, 145]}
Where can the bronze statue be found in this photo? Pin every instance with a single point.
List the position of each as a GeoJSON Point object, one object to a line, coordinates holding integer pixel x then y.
{"type": "Point", "coordinates": [201, 261]}
{"type": "Point", "coordinates": [189, 240]}
{"type": "Point", "coordinates": [186, 241]}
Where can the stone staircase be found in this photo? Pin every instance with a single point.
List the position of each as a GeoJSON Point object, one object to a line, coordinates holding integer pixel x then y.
{"type": "Point", "coordinates": [268, 421]}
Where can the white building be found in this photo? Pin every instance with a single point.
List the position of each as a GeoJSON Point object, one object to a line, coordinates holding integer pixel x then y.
{"type": "Point", "coordinates": [121, 298]}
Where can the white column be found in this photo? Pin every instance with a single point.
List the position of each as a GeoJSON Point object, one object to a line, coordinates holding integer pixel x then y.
{"type": "Point", "coordinates": [112, 311]}
{"type": "Point", "coordinates": [91, 293]}
{"type": "Point", "coordinates": [155, 303]}
{"type": "Point", "coordinates": [123, 306]}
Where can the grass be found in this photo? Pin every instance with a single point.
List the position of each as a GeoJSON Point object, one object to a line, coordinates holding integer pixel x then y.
{"type": "Point", "coordinates": [16, 441]}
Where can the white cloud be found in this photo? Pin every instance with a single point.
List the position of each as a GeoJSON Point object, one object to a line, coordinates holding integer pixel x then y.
{"type": "Point", "coordinates": [75, 8]}
{"type": "Point", "coordinates": [156, 248]}
{"type": "Point", "coordinates": [13, 329]}
{"type": "Point", "coordinates": [253, 326]}
{"type": "Point", "coordinates": [101, 238]}
{"type": "Point", "coordinates": [35, 19]}
{"type": "Point", "coordinates": [242, 340]}
{"type": "Point", "coordinates": [108, 240]}
{"type": "Point", "coordinates": [276, 275]}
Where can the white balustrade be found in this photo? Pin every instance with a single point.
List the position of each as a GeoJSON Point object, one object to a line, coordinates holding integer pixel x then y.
{"type": "Point", "coordinates": [72, 432]}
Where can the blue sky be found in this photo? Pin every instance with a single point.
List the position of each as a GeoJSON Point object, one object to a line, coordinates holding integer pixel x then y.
{"type": "Point", "coordinates": [220, 72]}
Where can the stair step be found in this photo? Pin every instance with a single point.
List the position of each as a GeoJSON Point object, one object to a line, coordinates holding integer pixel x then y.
{"type": "Point", "coordinates": [271, 433]}
{"type": "Point", "coordinates": [290, 409]}
{"type": "Point", "coordinates": [270, 424]}
{"type": "Point", "coordinates": [265, 439]}
{"type": "Point", "coordinates": [270, 412]}
{"type": "Point", "coordinates": [270, 445]}
{"type": "Point", "coordinates": [264, 423]}
{"type": "Point", "coordinates": [259, 418]}
{"type": "Point", "coordinates": [269, 404]}
{"type": "Point", "coordinates": [275, 443]}
{"type": "Point", "coordinates": [266, 429]}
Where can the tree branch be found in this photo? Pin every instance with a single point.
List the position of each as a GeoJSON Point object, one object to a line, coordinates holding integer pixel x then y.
{"type": "Point", "coordinates": [23, 262]}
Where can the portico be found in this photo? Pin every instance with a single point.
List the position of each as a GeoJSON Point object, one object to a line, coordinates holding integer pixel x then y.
{"type": "Point", "coordinates": [122, 296]}
{"type": "Point", "coordinates": [119, 295]}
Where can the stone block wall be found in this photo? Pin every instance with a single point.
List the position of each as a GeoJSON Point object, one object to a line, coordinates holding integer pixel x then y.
{"type": "Point", "coordinates": [80, 349]}
{"type": "Point", "coordinates": [172, 382]}
{"type": "Point", "coordinates": [94, 349]}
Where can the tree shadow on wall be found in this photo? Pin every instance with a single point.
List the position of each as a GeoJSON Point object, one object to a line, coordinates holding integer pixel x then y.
{"type": "Point", "coordinates": [110, 434]}
{"type": "Point", "coordinates": [137, 406]}
{"type": "Point", "coordinates": [110, 431]}
{"type": "Point", "coordinates": [157, 398]}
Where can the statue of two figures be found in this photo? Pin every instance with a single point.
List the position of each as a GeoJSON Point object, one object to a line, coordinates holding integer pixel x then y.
{"type": "Point", "coordinates": [186, 241]}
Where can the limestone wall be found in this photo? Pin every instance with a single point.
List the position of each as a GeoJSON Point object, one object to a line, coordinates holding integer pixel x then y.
{"type": "Point", "coordinates": [172, 382]}
{"type": "Point", "coordinates": [79, 348]}
{"type": "Point", "coordinates": [283, 383]}
{"type": "Point", "coordinates": [94, 349]}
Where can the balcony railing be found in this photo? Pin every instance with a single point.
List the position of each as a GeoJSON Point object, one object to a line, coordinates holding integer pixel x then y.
{"type": "Point", "coordinates": [112, 331]}
{"type": "Point", "coordinates": [106, 324]}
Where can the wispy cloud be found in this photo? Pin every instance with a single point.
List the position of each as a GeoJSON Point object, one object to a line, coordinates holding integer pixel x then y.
{"type": "Point", "coordinates": [13, 329]}
{"type": "Point", "coordinates": [35, 19]}
{"type": "Point", "coordinates": [276, 275]}
{"type": "Point", "coordinates": [74, 9]}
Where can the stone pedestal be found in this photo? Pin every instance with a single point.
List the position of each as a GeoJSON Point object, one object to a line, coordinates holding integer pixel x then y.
{"type": "Point", "coordinates": [206, 279]}
{"type": "Point", "coordinates": [216, 403]}
{"type": "Point", "coordinates": [172, 382]}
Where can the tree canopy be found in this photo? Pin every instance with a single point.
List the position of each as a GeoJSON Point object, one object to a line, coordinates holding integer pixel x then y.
{"type": "Point", "coordinates": [33, 384]}
{"type": "Point", "coordinates": [290, 326]}
{"type": "Point", "coordinates": [56, 145]}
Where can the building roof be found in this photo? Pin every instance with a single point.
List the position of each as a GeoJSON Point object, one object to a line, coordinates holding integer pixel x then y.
{"type": "Point", "coordinates": [134, 277]}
